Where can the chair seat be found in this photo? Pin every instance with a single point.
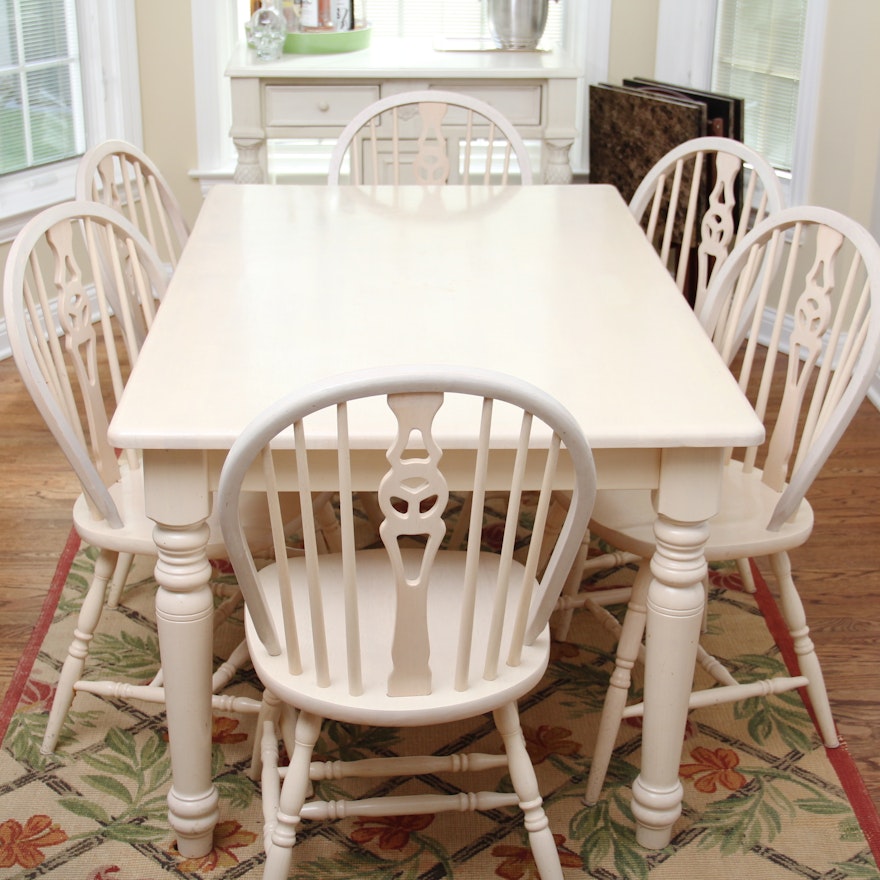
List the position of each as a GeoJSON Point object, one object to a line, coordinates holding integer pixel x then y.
{"type": "Point", "coordinates": [376, 583]}
{"type": "Point", "coordinates": [625, 518]}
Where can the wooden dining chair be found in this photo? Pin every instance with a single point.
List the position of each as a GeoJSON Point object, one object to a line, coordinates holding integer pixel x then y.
{"type": "Point", "coordinates": [695, 204]}
{"type": "Point", "coordinates": [80, 292]}
{"type": "Point", "coordinates": [823, 269]}
{"type": "Point", "coordinates": [408, 634]}
{"type": "Point", "coordinates": [430, 137]}
{"type": "Point", "coordinates": [123, 177]}
{"type": "Point", "coordinates": [699, 200]}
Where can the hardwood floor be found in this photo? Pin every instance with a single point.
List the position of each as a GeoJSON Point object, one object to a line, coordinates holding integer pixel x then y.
{"type": "Point", "coordinates": [838, 571]}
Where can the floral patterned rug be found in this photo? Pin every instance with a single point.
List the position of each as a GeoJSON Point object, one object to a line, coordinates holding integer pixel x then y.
{"type": "Point", "coordinates": [762, 799]}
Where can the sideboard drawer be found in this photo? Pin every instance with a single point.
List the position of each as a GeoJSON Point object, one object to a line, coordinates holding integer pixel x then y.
{"type": "Point", "coordinates": [316, 105]}
{"type": "Point", "coordinates": [520, 103]}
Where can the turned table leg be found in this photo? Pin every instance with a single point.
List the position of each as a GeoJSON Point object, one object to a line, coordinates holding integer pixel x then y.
{"type": "Point", "coordinates": [178, 501]}
{"type": "Point", "coordinates": [689, 494]}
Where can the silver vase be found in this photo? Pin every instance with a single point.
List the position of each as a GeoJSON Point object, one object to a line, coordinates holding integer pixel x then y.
{"type": "Point", "coordinates": [517, 24]}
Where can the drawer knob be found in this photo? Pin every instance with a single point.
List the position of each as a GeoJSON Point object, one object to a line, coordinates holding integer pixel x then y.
{"type": "Point", "coordinates": [323, 106]}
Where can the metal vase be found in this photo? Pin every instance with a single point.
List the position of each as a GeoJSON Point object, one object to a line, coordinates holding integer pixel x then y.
{"type": "Point", "coordinates": [517, 24]}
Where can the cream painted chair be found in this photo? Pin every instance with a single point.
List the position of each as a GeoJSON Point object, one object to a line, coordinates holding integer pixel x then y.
{"type": "Point", "coordinates": [123, 177]}
{"type": "Point", "coordinates": [675, 214]}
{"type": "Point", "coordinates": [824, 270]}
{"type": "Point", "coordinates": [430, 137]}
{"type": "Point", "coordinates": [75, 368]}
{"type": "Point", "coordinates": [735, 189]}
{"type": "Point", "coordinates": [410, 634]}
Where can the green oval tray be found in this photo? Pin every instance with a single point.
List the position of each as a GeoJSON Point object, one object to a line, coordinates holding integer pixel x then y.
{"type": "Point", "coordinates": [325, 43]}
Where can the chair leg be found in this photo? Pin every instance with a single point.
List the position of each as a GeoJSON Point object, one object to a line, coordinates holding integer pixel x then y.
{"type": "Point", "coordinates": [120, 576]}
{"type": "Point", "coordinates": [457, 536]}
{"type": "Point", "coordinates": [74, 663]}
{"type": "Point", "coordinates": [325, 516]}
{"type": "Point", "coordinates": [279, 845]}
{"type": "Point", "coordinates": [270, 710]}
{"type": "Point", "coordinates": [561, 621]}
{"type": "Point", "coordinates": [744, 567]}
{"type": "Point", "coordinates": [525, 784]}
{"type": "Point", "coordinates": [559, 504]}
{"type": "Point", "coordinates": [628, 648]}
{"type": "Point", "coordinates": [796, 620]}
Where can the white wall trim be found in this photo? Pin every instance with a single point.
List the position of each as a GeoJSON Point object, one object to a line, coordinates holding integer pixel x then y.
{"type": "Point", "coordinates": [109, 67]}
{"type": "Point", "coordinates": [765, 333]}
{"type": "Point", "coordinates": [589, 24]}
{"type": "Point", "coordinates": [216, 29]}
{"type": "Point", "coordinates": [685, 42]}
{"type": "Point", "coordinates": [808, 101]}
{"type": "Point", "coordinates": [6, 347]}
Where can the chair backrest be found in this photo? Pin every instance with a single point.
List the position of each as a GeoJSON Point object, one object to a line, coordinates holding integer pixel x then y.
{"type": "Point", "coordinates": [120, 175]}
{"type": "Point", "coordinates": [80, 291]}
{"type": "Point", "coordinates": [822, 269]}
{"type": "Point", "coordinates": [405, 410]}
{"type": "Point", "coordinates": [430, 137]}
{"type": "Point", "coordinates": [707, 191]}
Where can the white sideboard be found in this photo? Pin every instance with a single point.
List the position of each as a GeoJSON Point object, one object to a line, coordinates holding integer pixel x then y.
{"type": "Point", "coordinates": [314, 96]}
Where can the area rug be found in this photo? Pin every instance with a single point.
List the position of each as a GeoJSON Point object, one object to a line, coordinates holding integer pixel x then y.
{"type": "Point", "coordinates": [762, 796]}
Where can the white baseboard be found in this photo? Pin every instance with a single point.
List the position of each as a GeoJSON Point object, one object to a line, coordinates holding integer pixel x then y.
{"type": "Point", "coordinates": [765, 332]}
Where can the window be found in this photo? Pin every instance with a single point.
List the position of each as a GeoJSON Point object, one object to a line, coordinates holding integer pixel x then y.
{"type": "Point", "coordinates": [758, 52]}
{"type": "Point", "coordinates": [583, 27]}
{"type": "Point", "coordinates": [686, 55]}
{"type": "Point", "coordinates": [41, 118]}
{"type": "Point", "coordinates": [68, 79]}
{"type": "Point", "coordinates": [451, 18]}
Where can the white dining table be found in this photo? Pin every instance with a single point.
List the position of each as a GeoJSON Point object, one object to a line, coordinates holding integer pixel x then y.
{"type": "Point", "coordinates": [280, 286]}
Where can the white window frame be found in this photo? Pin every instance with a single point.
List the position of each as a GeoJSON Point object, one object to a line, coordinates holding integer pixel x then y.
{"type": "Point", "coordinates": [109, 71]}
{"type": "Point", "coordinates": [217, 30]}
{"type": "Point", "coordinates": [685, 44]}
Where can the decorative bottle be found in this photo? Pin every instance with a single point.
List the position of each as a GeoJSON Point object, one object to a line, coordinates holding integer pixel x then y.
{"type": "Point", "coordinates": [317, 15]}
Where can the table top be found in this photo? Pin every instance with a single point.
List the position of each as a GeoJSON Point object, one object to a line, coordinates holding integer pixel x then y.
{"type": "Point", "coordinates": [280, 286]}
{"type": "Point", "coordinates": [393, 58]}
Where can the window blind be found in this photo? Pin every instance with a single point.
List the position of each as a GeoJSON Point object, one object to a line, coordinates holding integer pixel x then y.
{"type": "Point", "coordinates": [446, 18]}
{"type": "Point", "coordinates": [758, 52]}
{"type": "Point", "coordinates": [431, 18]}
{"type": "Point", "coordinates": [41, 108]}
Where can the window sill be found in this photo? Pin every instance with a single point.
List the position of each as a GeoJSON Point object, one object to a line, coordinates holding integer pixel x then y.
{"type": "Point", "coordinates": [24, 194]}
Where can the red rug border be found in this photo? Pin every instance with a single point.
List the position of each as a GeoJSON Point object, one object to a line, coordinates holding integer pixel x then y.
{"type": "Point", "coordinates": [841, 758]}
{"type": "Point", "coordinates": [47, 612]}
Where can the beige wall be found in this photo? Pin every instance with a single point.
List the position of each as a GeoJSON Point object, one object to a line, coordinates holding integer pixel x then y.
{"type": "Point", "coordinates": [165, 59]}
{"type": "Point", "coordinates": [633, 39]}
{"type": "Point", "coordinates": [846, 158]}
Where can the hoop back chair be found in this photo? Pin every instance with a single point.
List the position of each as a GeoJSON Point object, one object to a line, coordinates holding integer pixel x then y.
{"type": "Point", "coordinates": [407, 634]}
{"type": "Point", "coordinates": [75, 368]}
{"type": "Point", "coordinates": [121, 176]}
{"type": "Point", "coordinates": [824, 270]}
{"type": "Point", "coordinates": [706, 192]}
{"type": "Point", "coordinates": [430, 137]}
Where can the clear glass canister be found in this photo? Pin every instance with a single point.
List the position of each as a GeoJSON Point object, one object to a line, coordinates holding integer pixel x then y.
{"type": "Point", "coordinates": [267, 31]}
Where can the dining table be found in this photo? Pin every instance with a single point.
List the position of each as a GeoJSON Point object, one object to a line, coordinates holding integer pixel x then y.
{"type": "Point", "coordinates": [280, 286]}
